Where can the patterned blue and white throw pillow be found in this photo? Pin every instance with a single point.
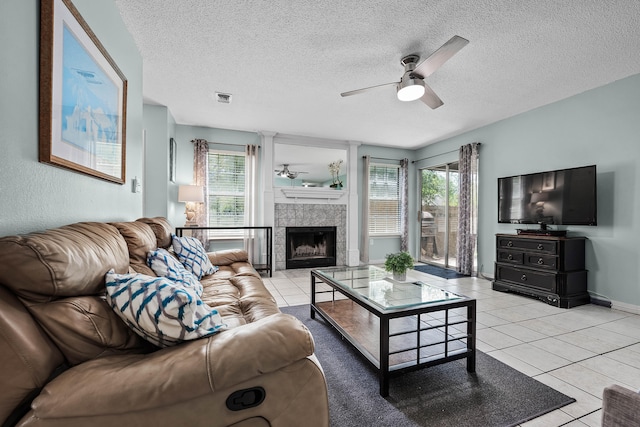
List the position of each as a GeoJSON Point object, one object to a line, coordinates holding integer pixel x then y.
{"type": "Point", "coordinates": [166, 265]}
{"type": "Point", "coordinates": [159, 310]}
{"type": "Point", "coordinates": [192, 255]}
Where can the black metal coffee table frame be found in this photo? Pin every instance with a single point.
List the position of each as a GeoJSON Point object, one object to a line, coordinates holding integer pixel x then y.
{"type": "Point", "coordinates": [385, 371]}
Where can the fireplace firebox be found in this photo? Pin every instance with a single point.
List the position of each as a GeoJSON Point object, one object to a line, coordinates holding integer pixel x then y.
{"type": "Point", "coordinates": [309, 247]}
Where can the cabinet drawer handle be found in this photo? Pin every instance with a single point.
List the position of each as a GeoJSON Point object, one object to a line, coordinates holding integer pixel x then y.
{"type": "Point", "coordinates": [510, 257]}
{"type": "Point", "coordinates": [540, 261]}
{"type": "Point", "coordinates": [524, 278]}
{"type": "Point", "coordinates": [540, 247]}
{"type": "Point", "coordinates": [509, 243]}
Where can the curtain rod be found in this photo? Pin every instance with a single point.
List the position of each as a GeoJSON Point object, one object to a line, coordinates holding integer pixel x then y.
{"type": "Point", "coordinates": [223, 143]}
{"type": "Point", "coordinates": [382, 158]}
{"type": "Point", "coordinates": [442, 154]}
{"type": "Point", "coordinates": [435, 155]}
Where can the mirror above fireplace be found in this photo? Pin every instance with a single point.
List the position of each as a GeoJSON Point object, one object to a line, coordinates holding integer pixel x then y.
{"type": "Point", "coordinates": [307, 164]}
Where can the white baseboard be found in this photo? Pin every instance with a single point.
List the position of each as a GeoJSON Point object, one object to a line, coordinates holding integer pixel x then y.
{"type": "Point", "coordinates": [623, 306]}
{"type": "Point", "coordinates": [353, 257]}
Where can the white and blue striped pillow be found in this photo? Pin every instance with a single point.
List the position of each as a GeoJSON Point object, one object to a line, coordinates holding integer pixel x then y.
{"type": "Point", "coordinates": [159, 310]}
{"type": "Point", "coordinates": [192, 255]}
{"type": "Point", "coordinates": [166, 265]}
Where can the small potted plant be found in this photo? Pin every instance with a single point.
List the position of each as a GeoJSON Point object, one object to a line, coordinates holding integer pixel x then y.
{"type": "Point", "coordinates": [398, 264]}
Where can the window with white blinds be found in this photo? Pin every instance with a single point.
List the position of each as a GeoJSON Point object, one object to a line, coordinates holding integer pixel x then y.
{"type": "Point", "coordinates": [384, 199]}
{"type": "Point", "coordinates": [226, 191]}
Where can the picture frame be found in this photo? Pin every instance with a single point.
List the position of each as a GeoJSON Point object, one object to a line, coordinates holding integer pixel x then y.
{"type": "Point", "coordinates": [83, 97]}
{"type": "Point", "coordinates": [173, 153]}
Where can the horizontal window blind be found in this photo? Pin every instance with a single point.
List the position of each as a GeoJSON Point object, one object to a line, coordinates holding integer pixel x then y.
{"type": "Point", "coordinates": [384, 199]}
{"type": "Point", "coordinates": [226, 193]}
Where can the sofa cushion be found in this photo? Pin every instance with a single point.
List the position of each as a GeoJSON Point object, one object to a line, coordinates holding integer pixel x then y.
{"type": "Point", "coordinates": [193, 256]}
{"type": "Point", "coordinates": [27, 355]}
{"type": "Point", "coordinates": [228, 256]}
{"type": "Point", "coordinates": [140, 241]}
{"type": "Point", "coordinates": [61, 262]}
{"type": "Point", "coordinates": [166, 265]}
{"type": "Point", "coordinates": [161, 228]}
{"type": "Point", "coordinates": [159, 310]}
{"type": "Point", "coordinates": [85, 327]}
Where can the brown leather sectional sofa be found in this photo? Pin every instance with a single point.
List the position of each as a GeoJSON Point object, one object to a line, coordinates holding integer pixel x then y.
{"type": "Point", "coordinates": [66, 358]}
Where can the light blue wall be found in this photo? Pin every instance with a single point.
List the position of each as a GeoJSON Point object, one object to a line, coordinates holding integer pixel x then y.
{"type": "Point", "coordinates": [186, 133]}
{"type": "Point", "coordinates": [160, 193]}
{"type": "Point", "coordinates": [379, 247]}
{"type": "Point", "coordinates": [33, 195]}
{"type": "Point", "coordinates": [184, 169]}
{"type": "Point", "coordinates": [601, 127]}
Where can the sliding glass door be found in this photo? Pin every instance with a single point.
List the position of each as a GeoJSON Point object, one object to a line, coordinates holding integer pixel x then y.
{"type": "Point", "coordinates": [439, 215]}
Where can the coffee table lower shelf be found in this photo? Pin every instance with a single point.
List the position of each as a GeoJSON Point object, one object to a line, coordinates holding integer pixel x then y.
{"type": "Point", "coordinates": [403, 340]}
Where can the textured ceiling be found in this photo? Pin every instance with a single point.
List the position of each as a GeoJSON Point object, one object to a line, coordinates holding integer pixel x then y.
{"type": "Point", "coordinates": [286, 62]}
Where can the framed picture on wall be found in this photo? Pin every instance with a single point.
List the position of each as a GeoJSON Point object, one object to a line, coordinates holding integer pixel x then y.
{"type": "Point", "coordinates": [173, 152]}
{"type": "Point", "coordinates": [83, 97]}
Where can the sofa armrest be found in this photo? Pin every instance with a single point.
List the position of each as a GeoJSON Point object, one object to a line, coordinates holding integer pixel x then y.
{"type": "Point", "coordinates": [620, 406]}
{"type": "Point", "coordinates": [259, 347]}
{"type": "Point", "coordinates": [122, 384]}
{"type": "Point", "coordinates": [228, 257]}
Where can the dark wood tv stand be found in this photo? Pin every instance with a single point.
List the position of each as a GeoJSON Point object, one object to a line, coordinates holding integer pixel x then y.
{"type": "Point", "coordinates": [549, 268]}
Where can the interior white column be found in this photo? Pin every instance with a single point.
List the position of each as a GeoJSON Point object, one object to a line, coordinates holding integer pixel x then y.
{"type": "Point", "coordinates": [353, 249]}
{"type": "Point", "coordinates": [268, 211]}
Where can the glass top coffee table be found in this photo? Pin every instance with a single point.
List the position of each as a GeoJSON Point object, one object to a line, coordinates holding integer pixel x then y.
{"type": "Point", "coordinates": [396, 326]}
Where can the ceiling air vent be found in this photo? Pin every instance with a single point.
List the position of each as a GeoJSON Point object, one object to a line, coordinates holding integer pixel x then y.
{"type": "Point", "coordinates": [224, 98]}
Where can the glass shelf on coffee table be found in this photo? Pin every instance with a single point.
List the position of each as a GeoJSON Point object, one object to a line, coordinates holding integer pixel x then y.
{"type": "Point", "coordinates": [396, 326]}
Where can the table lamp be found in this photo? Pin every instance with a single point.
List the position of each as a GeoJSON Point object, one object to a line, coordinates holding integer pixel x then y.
{"type": "Point", "coordinates": [190, 195]}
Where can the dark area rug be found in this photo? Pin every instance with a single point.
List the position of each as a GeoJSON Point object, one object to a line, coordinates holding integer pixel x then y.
{"type": "Point", "coordinates": [444, 395]}
{"type": "Point", "coordinates": [438, 271]}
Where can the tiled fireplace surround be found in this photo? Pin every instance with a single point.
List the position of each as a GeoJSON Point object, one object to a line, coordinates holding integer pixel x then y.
{"type": "Point", "coordinates": [309, 215]}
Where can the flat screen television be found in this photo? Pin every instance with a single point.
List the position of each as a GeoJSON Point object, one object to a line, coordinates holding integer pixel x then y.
{"type": "Point", "coordinates": [560, 197]}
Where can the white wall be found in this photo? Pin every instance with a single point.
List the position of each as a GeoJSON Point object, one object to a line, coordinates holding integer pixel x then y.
{"type": "Point", "coordinates": [35, 195]}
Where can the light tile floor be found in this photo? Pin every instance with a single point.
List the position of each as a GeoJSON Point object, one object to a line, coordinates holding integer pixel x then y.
{"type": "Point", "coordinates": [576, 351]}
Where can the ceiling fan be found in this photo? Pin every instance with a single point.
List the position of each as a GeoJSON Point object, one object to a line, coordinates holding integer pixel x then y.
{"type": "Point", "coordinates": [286, 173]}
{"type": "Point", "coordinates": [412, 86]}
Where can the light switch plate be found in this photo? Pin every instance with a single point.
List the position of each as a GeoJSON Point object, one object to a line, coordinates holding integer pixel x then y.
{"type": "Point", "coordinates": [136, 185]}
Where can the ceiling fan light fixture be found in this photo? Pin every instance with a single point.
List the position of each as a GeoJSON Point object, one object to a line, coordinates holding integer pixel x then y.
{"type": "Point", "coordinates": [410, 89]}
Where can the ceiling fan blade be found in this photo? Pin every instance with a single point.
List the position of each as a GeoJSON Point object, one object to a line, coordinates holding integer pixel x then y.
{"type": "Point", "coordinates": [430, 98]}
{"type": "Point", "coordinates": [357, 91]}
{"type": "Point", "coordinates": [440, 56]}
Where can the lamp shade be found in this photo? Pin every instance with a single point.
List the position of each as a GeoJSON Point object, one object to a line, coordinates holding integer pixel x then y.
{"type": "Point", "coordinates": [191, 193]}
{"type": "Point", "coordinates": [410, 89]}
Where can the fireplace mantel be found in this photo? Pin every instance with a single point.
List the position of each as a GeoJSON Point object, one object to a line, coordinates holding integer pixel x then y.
{"type": "Point", "coordinates": [312, 193]}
